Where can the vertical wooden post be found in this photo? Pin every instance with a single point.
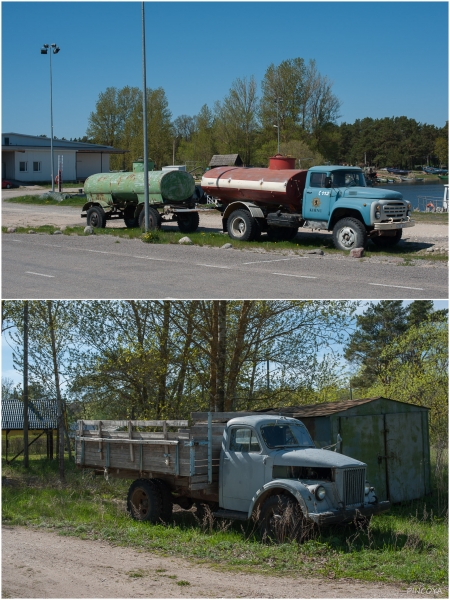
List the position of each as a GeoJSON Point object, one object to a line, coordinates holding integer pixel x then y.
{"type": "Point", "coordinates": [25, 385]}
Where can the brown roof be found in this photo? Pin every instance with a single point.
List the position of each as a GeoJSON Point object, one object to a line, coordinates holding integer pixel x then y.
{"type": "Point", "coordinates": [325, 409]}
{"type": "Point", "coordinates": [226, 160]}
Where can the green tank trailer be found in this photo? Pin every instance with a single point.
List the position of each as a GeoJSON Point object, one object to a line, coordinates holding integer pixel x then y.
{"type": "Point", "coordinates": [172, 195]}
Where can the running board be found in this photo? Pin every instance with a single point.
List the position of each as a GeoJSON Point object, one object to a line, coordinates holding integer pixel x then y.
{"type": "Point", "coordinates": [231, 514]}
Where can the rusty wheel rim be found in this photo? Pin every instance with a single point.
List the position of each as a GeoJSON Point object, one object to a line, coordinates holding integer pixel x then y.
{"type": "Point", "coordinates": [139, 502]}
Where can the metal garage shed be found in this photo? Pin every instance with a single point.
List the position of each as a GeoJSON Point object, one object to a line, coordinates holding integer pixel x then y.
{"type": "Point", "coordinates": [391, 437]}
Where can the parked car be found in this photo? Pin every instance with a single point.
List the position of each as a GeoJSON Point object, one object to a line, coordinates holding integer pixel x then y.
{"type": "Point", "coordinates": [6, 184]}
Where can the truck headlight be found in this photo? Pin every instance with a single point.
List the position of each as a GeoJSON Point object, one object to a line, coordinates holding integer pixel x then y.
{"type": "Point", "coordinates": [320, 492]}
{"type": "Point", "coordinates": [377, 211]}
{"type": "Point", "coordinates": [367, 488]}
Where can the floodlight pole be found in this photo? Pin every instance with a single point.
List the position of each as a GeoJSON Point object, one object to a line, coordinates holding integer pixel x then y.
{"type": "Point", "coordinates": [54, 49]}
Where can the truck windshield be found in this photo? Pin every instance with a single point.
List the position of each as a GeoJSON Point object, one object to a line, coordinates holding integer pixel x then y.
{"type": "Point", "coordinates": [347, 179]}
{"type": "Point", "coordinates": [283, 435]}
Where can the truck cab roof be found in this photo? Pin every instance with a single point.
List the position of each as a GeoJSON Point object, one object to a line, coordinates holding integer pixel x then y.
{"type": "Point", "coordinates": [322, 168]}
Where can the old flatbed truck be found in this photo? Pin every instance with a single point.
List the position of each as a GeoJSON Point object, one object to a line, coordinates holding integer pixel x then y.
{"type": "Point", "coordinates": [240, 465]}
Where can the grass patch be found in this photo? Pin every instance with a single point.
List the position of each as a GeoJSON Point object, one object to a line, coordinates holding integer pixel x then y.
{"type": "Point", "coordinates": [75, 201]}
{"type": "Point", "coordinates": [430, 217]}
{"type": "Point", "coordinates": [408, 545]}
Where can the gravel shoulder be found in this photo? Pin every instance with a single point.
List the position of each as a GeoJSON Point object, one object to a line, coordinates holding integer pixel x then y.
{"type": "Point", "coordinates": [42, 564]}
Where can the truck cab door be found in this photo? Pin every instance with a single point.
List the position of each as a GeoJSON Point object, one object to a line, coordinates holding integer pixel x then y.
{"type": "Point", "coordinates": [316, 206]}
{"type": "Point", "coordinates": [242, 468]}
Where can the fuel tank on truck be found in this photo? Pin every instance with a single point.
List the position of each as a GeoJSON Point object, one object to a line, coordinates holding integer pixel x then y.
{"type": "Point", "coordinates": [166, 187]}
{"type": "Point", "coordinates": [262, 186]}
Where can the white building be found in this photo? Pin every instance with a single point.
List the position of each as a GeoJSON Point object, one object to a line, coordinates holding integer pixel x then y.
{"type": "Point", "coordinates": [26, 158]}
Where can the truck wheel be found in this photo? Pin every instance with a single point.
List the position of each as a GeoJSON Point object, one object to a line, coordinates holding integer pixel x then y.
{"type": "Point", "coordinates": [144, 501]}
{"type": "Point", "coordinates": [386, 241]}
{"type": "Point", "coordinates": [242, 226]}
{"type": "Point", "coordinates": [96, 217]}
{"type": "Point", "coordinates": [166, 500]}
{"type": "Point", "coordinates": [281, 234]}
{"type": "Point", "coordinates": [154, 219]}
{"type": "Point", "coordinates": [349, 233]}
{"type": "Point", "coordinates": [281, 520]}
{"type": "Point", "coordinates": [188, 223]}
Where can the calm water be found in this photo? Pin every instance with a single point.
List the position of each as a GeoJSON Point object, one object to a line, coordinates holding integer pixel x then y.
{"type": "Point", "coordinates": [412, 191]}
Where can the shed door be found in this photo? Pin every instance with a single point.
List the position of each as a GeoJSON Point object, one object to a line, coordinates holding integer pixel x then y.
{"type": "Point", "coordinates": [404, 440]}
{"type": "Point", "coordinates": [363, 439]}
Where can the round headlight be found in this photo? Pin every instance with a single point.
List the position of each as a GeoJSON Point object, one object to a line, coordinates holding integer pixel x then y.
{"type": "Point", "coordinates": [320, 492]}
{"type": "Point", "coordinates": [367, 488]}
{"type": "Point", "coordinates": [377, 215]}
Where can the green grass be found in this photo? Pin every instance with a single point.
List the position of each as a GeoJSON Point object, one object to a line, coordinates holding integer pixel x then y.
{"type": "Point", "coordinates": [430, 217]}
{"type": "Point", "coordinates": [406, 546]}
{"type": "Point", "coordinates": [37, 200]}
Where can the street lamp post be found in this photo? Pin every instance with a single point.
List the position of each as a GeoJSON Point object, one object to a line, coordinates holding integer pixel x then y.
{"type": "Point", "coordinates": [54, 49]}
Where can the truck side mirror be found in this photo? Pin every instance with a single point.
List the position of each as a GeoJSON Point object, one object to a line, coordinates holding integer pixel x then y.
{"type": "Point", "coordinates": [327, 182]}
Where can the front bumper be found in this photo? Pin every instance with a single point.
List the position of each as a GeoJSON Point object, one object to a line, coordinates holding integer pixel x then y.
{"type": "Point", "coordinates": [347, 515]}
{"type": "Point", "coordinates": [393, 225]}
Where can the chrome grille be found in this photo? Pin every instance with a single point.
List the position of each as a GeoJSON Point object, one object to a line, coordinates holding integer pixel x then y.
{"type": "Point", "coordinates": [394, 210]}
{"type": "Point", "coordinates": [354, 480]}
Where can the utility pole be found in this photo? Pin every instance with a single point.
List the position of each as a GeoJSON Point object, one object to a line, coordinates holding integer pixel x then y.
{"type": "Point", "coordinates": [144, 122]}
{"type": "Point", "coordinates": [60, 413]}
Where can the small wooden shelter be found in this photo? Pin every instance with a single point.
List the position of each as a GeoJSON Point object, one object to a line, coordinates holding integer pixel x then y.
{"type": "Point", "coordinates": [42, 418]}
{"type": "Point", "coordinates": [391, 437]}
{"type": "Point", "coordinates": [225, 160]}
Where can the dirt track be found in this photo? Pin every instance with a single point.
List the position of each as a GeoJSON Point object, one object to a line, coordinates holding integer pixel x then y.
{"type": "Point", "coordinates": [40, 564]}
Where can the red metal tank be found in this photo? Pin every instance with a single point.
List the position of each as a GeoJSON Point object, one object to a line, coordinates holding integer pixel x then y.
{"type": "Point", "coordinates": [261, 186]}
{"type": "Point", "coordinates": [279, 162]}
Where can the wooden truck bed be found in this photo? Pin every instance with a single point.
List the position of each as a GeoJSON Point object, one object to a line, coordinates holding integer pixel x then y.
{"type": "Point", "coordinates": [187, 457]}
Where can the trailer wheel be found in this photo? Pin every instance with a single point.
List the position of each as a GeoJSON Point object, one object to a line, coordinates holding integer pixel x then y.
{"type": "Point", "coordinates": [281, 520]}
{"type": "Point", "coordinates": [282, 234]}
{"type": "Point", "coordinates": [96, 217]}
{"type": "Point", "coordinates": [166, 500]}
{"type": "Point", "coordinates": [144, 501]}
{"type": "Point", "coordinates": [386, 241]}
{"type": "Point", "coordinates": [242, 226]}
{"type": "Point", "coordinates": [349, 233]}
{"type": "Point", "coordinates": [129, 219]}
{"type": "Point", "coordinates": [188, 223]}
{"type": "Point", "coordinates": [154, 219]}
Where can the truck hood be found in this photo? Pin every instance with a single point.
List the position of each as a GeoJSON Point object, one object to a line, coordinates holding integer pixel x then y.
{"type": "Point", "coordinates": [314, 457]}
{"type": "Point", "coordinates": [369, 193]}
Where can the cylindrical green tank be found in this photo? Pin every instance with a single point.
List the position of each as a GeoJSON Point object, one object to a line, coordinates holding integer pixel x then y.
{"type": "Point", "coordinates": [164, 187]}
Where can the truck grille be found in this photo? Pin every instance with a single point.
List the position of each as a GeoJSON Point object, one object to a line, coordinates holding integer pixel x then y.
{"type": "Point", "coordinates": [354, 480]}
{"type": "Point", "coordinates": [395, 210]}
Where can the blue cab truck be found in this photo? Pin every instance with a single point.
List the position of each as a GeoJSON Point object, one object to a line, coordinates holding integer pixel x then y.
{"type": "Point", "coordinates": [333, 198]}
{"type": "Point", "coordinates": [239, 466]}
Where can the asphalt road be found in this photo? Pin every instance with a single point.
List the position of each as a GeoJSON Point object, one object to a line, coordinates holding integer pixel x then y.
{"type": "Point", "coordinates": [102, 267]}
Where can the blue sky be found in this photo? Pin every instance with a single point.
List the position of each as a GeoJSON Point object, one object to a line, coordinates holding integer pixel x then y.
{"type": "Point", "coordinates": [386, 59]}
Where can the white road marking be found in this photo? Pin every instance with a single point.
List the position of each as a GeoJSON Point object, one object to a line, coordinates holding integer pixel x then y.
{"type": "Point", "coordinates": [41, 274]}
{"type": "Point", "coordinates": [289, 275]}
{"type": "Point", "coordinates": [401, 287]}
{"type": "Point", "coordinates": [256, 262]}
{"type": "Point", "coordinates": [214, 266]}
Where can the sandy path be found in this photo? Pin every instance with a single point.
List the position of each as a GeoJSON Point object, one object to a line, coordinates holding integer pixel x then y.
{"type": "Point", "coordinates": [40, 564]}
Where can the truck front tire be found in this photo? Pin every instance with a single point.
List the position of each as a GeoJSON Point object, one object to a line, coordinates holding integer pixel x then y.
{"type": "Point", "coordinates": [96, 217]}
{"type": "Point", "coordinates": [349, 233]}
{"type": "Point", "coordinates": [242, 226]}
{"type": "Point", "coordinates": [281, 520]}
{"type": "Point", "coordinates": [387, 241]}
{"type": "Point", "coordinates": [144, 502]}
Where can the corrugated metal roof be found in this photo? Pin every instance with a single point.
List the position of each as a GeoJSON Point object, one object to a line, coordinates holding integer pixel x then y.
{"type": "Point", "coordinates": [226, 160]}
{"type": "Point", "coordinates": [41, 414]}
{"type": "Point", "coordinates": [327, 408]}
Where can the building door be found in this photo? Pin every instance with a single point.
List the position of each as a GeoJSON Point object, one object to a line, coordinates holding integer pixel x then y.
{"type": "Point", "coordinates": [363, 439]}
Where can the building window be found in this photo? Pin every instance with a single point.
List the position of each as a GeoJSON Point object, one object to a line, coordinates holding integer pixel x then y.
{"type": "Point", "coordinates": [23, 167]}
{"type": "Point", "coordinates": [36, 166]}
{"type": "Point", "coordinates": [6, 141]}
